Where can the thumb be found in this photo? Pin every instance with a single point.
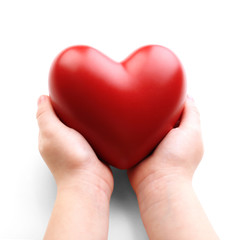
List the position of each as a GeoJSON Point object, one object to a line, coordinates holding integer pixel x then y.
{"type": "Point", "coordinates": [191, 116]}
{"type": "Point", "coordinates": [46, 116]}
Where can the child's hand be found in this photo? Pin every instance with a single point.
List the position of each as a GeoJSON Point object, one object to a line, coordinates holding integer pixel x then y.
{"type": "Point", "coordinates": [162, 182]}
{"type": "Point", "coordinates": [67, 154]}
{"type": "Point", "coordinates": [176, 157]}
{"type": "Point", "coordinates": [84, 184]}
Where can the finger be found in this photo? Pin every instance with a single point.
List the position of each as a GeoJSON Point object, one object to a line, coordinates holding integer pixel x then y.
{"type": "Point", "coordinates": [46, 116]}
{"type": "Point", "coordinates": [191, 115]}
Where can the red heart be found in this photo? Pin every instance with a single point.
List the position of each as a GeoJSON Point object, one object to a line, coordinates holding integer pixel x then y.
{"type": "Point", "coordinates": [122, 109]}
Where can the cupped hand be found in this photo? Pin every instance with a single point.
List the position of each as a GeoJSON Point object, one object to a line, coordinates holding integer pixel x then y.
{"type": "Point", "coordinates": [176, 157]}
{"type": "Point", "coordinates": [163, 184]}
{"type": "Point", "coordinates": [68, 155]}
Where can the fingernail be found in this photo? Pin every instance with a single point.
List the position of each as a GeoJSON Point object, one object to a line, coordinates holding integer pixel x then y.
{"type": "Point", "coordinates": [41, 99]}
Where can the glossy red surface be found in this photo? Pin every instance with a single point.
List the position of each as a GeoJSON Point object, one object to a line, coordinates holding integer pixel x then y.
{"type": "Point", "coordinates": [122, 109]}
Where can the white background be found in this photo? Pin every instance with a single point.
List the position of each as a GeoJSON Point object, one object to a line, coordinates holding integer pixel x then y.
{"type": "Point", "coordinates": [206, 37]}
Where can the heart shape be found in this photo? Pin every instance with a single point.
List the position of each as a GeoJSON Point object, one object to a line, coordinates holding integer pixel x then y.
{"type": "Point", "coordinates": [122, 109]}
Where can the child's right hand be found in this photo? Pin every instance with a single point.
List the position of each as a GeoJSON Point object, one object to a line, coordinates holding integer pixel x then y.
{"type": "Point", "coordinates": [176, 157]}
{"type": "Point", "coordinates": [163, 184]}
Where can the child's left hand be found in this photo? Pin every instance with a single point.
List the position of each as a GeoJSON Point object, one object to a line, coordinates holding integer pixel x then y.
{"type": "Point", "coordinates": [68, 155]}
{"type": "Point", "coordinates": [84, 184]}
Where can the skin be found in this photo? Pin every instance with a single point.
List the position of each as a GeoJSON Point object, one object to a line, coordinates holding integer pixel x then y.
{"type": "Point", "coordinates": [163, 182]}
{"type": "Point", "coordinates": [84, 184]}
{"type": "Point", "coordinates": [168, 205]}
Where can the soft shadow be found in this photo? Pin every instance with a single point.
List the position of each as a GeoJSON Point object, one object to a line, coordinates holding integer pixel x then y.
{"type": "Point", "coordinates": [122, 188]}
{"type": "Point", "coordinates": [125, 219]}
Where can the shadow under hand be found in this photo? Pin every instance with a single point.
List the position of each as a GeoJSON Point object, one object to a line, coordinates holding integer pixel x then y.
{"type": "Point", "coordinates": [125, 219]}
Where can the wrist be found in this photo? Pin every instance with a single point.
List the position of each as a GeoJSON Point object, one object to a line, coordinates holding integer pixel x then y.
{"type": "Point", "coordinates": [170, 210]}
{"type": "Point", "coordinates": [88, 198]}
{"type": "Point", "coordinates": [86, 183]}
{"type": "Point", "coordinates": [159, 191]}
{"type": "Point", "coordinates": [81, 211]}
